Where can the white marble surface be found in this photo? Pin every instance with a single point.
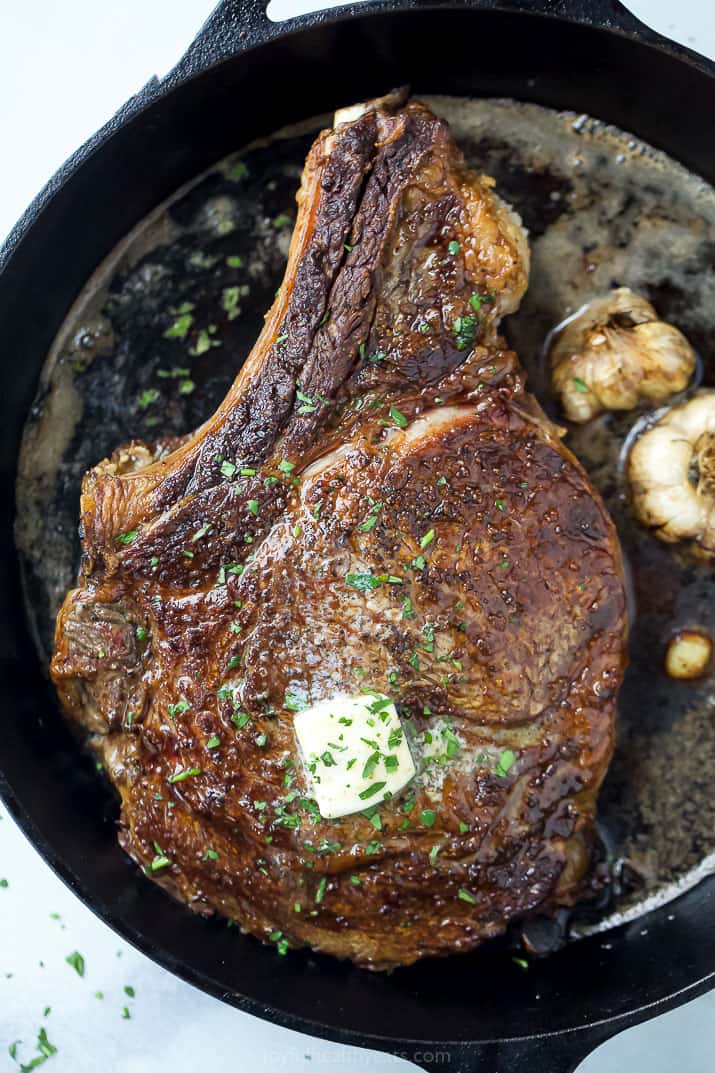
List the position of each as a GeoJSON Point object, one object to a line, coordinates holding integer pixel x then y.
{"type": "Point", "coordinates": [65, 68]}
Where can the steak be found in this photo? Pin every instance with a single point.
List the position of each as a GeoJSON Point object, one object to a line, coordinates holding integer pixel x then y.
{"type": "Point", "coordinates": [378, 505]}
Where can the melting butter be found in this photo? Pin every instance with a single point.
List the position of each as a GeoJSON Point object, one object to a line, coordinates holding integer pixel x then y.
{"type": "Point", "coordinates": [355, 752]}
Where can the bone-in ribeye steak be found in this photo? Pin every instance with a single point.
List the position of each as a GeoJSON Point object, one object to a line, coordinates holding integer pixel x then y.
{"type": "Point", "coordinates": [379, 428]}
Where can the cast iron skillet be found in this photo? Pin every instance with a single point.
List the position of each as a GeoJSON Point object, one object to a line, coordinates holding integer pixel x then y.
{"type": "Point", "coordinates": [243, 77]}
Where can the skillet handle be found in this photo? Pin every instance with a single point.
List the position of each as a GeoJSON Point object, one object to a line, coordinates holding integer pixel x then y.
{"type": "Point", "coordinates": [232, 27]}
{"type": "Point", "coordinates": [236, 25]}
{"type": "Point", "coordinates": [546, 1054]}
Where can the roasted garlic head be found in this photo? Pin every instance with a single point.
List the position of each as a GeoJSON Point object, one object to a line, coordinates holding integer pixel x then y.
{"type": "Point", "coordinates": [616, 353]}
{"type": "Point", "coordinates": [671, 469]}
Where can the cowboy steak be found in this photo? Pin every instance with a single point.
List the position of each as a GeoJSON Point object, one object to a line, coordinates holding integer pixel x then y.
{"type": "Point", "coordinates": [378, 509]}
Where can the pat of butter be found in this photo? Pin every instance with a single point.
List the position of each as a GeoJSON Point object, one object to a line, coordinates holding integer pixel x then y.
{"type": "Point", "coordinates": [355, 752]}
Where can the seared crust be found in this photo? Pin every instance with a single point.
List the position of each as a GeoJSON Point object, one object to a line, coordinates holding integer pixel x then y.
{"type": "Point", "coordinates": [379, 389]}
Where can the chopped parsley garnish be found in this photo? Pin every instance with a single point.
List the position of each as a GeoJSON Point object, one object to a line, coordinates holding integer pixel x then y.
{"type": "Point", "coordinates": [261, 740]}
{"type": "Point", "coordinates": [180, 328]}
{"type": "Point", "coordinates": [395, 738]}
{"type": "Point", "coordinates": [320, 892]}
{"type": "Point", "coordinates": [227, 469]}
{"type": "Point", "coordinates": [44, 1047]}
{"type": "Point", "coordinates": [253, 507]}
{"type": "Point", "coordinates": [229, 568]}
{"type": "Point", "coordinates": [377, 357]}
{"type": "Point", "coordinates": [187, 773]}
{"type": "Point", "coordinates": [506, 762]}
{"type": "Point", "coordinates": [419, 562]}
{"type": "Point", "coordinates": [370, 791]}
{"type": "Point", "coordinates": [467, 897]}
{"type": "Point", "coordinates": [499, 504]}
{"type": "Point", "coordinates": [128, 537]}
{"type": "Point", "coordinates": [521, 962]}
{"type": "Point", "coordinates": [160, 860]}
{"type": "Point", "coordinates": [370, 765]}
{"type": "Point", "coordinates": [364, 582]}
{"type": "Point", "coordinates": [286, 467]}
{"type": "Point", "coordinates": [238, 171]}
{"type": "Point", "coordinates": [451, 742]}
{"type": "Point", "coordinates": [427, 539]}
{"type": "Point", "coordinates": [465, 331]}
{"type": "Point", "coordinates": [76, 960]}
{"type": "Point", "coordinates": [229, 301]}
{"type": "Point", "coordinates": [428, 817]}
{"type": "Point", "coordinates": [129, 991]}
{"type": "Point", "coordinates": [454, 247]}
{"type": "Point", "coordinates": [234, 261]}
{"type": "Point", "coordinates": [179, 708]}
{"type": "Point", "coordinates": [579, 385]}
{"type": "Point", "coordinates": [326, 846]}
{"type": "Point", "coordinates": [204, 342]}
{"type": "Point", "coordinates": [399, 418]}
{"type": "Point", "coordinates": [146, 398]}
{"type": "Point", "coordinates": [294, 702]}
{"type": "Point", "coordinates": [213, 742]}
{"type": "Point", "coordinates": [476, 301]}
{"type": "Point", "coordinates": [172, 374]}
{"type": "Point", "coordinates": [371, 520]}
{"type": "Point", "coordinates": [355, 880]}
{"type": "Point", "coordinates": [199, 259]}
{"type": "Point", "coordinates": [282, 220]}
{"type": "Point", "coordinates": [308, 405]}
{"type": "Point", "coordinates": [433, 855]}
{"type": "Point", "coordinates": [372, 848]}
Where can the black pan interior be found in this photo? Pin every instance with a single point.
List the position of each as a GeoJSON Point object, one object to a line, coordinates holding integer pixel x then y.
{"type": "Point", "coordinates": [48, 785]}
